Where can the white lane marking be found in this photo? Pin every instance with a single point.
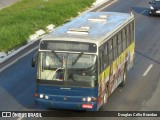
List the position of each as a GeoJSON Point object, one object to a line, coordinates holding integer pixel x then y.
{"type": "Point", "coordinates": [20, 118]}
{"type": "Point", "coordinates": [143, 11]}
{"type": "Point", "coordinates": [9, 64]}
{"type": "Point", "coordinates": [148, 69]}
{"type": "Point", "coordinates": [106, 5]}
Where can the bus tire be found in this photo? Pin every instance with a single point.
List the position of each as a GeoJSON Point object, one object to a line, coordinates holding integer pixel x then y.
{"type": "Point", "coordinates": [105, 98]}
{"type": "Point", "coordinates": [122, 84]}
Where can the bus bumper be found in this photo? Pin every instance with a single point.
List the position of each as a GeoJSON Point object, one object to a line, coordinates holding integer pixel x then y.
{"type": "Point", "coordinates": [67, 105]}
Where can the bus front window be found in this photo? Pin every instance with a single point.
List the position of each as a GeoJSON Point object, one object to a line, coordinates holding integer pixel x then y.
{"type": "Point", "coordinates": [68, 67]}
{"type": "Point", "coordinates": [81, 67]}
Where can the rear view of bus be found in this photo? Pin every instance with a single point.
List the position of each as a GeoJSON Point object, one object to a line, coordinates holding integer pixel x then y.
{"type": "Point", "coordinates": [68, 64]}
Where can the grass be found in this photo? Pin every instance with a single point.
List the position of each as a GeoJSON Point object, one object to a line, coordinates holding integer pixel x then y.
{"type": "Point", "coordinates": [22, 19]}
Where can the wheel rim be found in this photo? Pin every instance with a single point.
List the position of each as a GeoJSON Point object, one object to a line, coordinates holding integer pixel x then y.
{"type": "Point", "coordinates": [105, 98]}
{"type": "Point", "coordinates": [124, 77]}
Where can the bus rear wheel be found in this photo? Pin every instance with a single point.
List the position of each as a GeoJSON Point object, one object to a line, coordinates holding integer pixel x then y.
{"type": "Point", "coordinates": [122, 84]}
{"type": "Point", "coordinates": [105, 97]}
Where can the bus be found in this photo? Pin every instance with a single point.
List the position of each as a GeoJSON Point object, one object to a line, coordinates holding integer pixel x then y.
{"type": "Point", "coordinates": [81, 63]}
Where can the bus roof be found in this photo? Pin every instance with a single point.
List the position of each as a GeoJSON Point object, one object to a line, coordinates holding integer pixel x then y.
{"type": "Point", "coordinates": [91, 26]}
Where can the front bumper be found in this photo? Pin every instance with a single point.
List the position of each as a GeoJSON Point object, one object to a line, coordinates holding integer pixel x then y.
{"type": "Point", "coordinates": [67, 105]}
{"type": "Point", "coordinates": [155, 12]}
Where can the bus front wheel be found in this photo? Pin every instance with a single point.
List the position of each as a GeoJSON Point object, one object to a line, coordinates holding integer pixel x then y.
{"type": "Point", "coordinates": [105, 98]}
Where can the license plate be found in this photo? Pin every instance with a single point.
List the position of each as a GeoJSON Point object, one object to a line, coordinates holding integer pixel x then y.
{"type": "Point", "coordinates": [87, 106]}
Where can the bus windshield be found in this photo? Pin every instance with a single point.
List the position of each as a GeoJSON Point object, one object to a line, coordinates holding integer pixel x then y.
{"type": "Point", "coordinates": [157, 1]}
{"type": "Point", "coordinates": [67, 68]}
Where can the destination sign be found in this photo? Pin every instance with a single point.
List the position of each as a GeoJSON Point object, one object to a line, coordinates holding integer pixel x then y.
{"type": "Point", "coordinates": [68, 46]}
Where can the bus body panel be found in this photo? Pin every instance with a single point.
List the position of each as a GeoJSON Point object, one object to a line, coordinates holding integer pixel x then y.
{"type": "Point", "coordinates": [113, 77]}
{"type": "Point", "coordinates": [67, 97]}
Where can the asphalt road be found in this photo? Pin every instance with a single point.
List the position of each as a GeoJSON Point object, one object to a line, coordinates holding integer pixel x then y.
{"type": "Point", "coordinates": [141, 93]}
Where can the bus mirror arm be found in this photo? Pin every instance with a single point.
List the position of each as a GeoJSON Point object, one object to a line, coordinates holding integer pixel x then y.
{"type": "Point", "coordinates": [33, 63]}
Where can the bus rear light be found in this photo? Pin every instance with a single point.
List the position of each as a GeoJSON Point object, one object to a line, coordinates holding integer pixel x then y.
{"type": "Point", "coordinates": [90, 106]}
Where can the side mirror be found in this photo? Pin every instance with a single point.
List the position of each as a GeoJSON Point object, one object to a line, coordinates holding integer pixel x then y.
{"type": "Point", "coordinates": [33, 62]}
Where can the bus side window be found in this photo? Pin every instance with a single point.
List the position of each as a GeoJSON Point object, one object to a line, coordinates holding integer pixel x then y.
{"type": "Point", "coordinates": [115, 46]}
{"type": "Point", "coordinates": [103, 57]}
{"type": "Point", "coordinates": [100, 62]}
{"type": "Point", "coordinates": [132, 31]}
{"type": "Point", "coordinates": [100, 59]}
{"type": "Point", "coordinates": [124, 39]}
{"type": "Point", "coordinates": [119, 44]}
{"type": "Point", "coordinates": [105, 54]}
{"type": "Point", "coordinates": [110, 50]}
{"type": "Point", "coordinates": [128, 35]}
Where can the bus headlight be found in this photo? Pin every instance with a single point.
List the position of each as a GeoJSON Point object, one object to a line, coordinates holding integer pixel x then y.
{"type": "Point", "coordinates": [89, 99]}
{"type": "Point", "coordinates": [46, 97]}
{"type": "Point", "coordinates": [41, 95]}
{"type": "Point", "coordinates": [83, 99]}
{"type": "Point", "coordinates": [151, 7]}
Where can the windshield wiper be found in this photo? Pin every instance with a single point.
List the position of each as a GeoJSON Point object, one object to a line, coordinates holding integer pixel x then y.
{"type": "Point", "coordinates": [75, 61]}
{"type": "Point", "coordinates": [57, 56]}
